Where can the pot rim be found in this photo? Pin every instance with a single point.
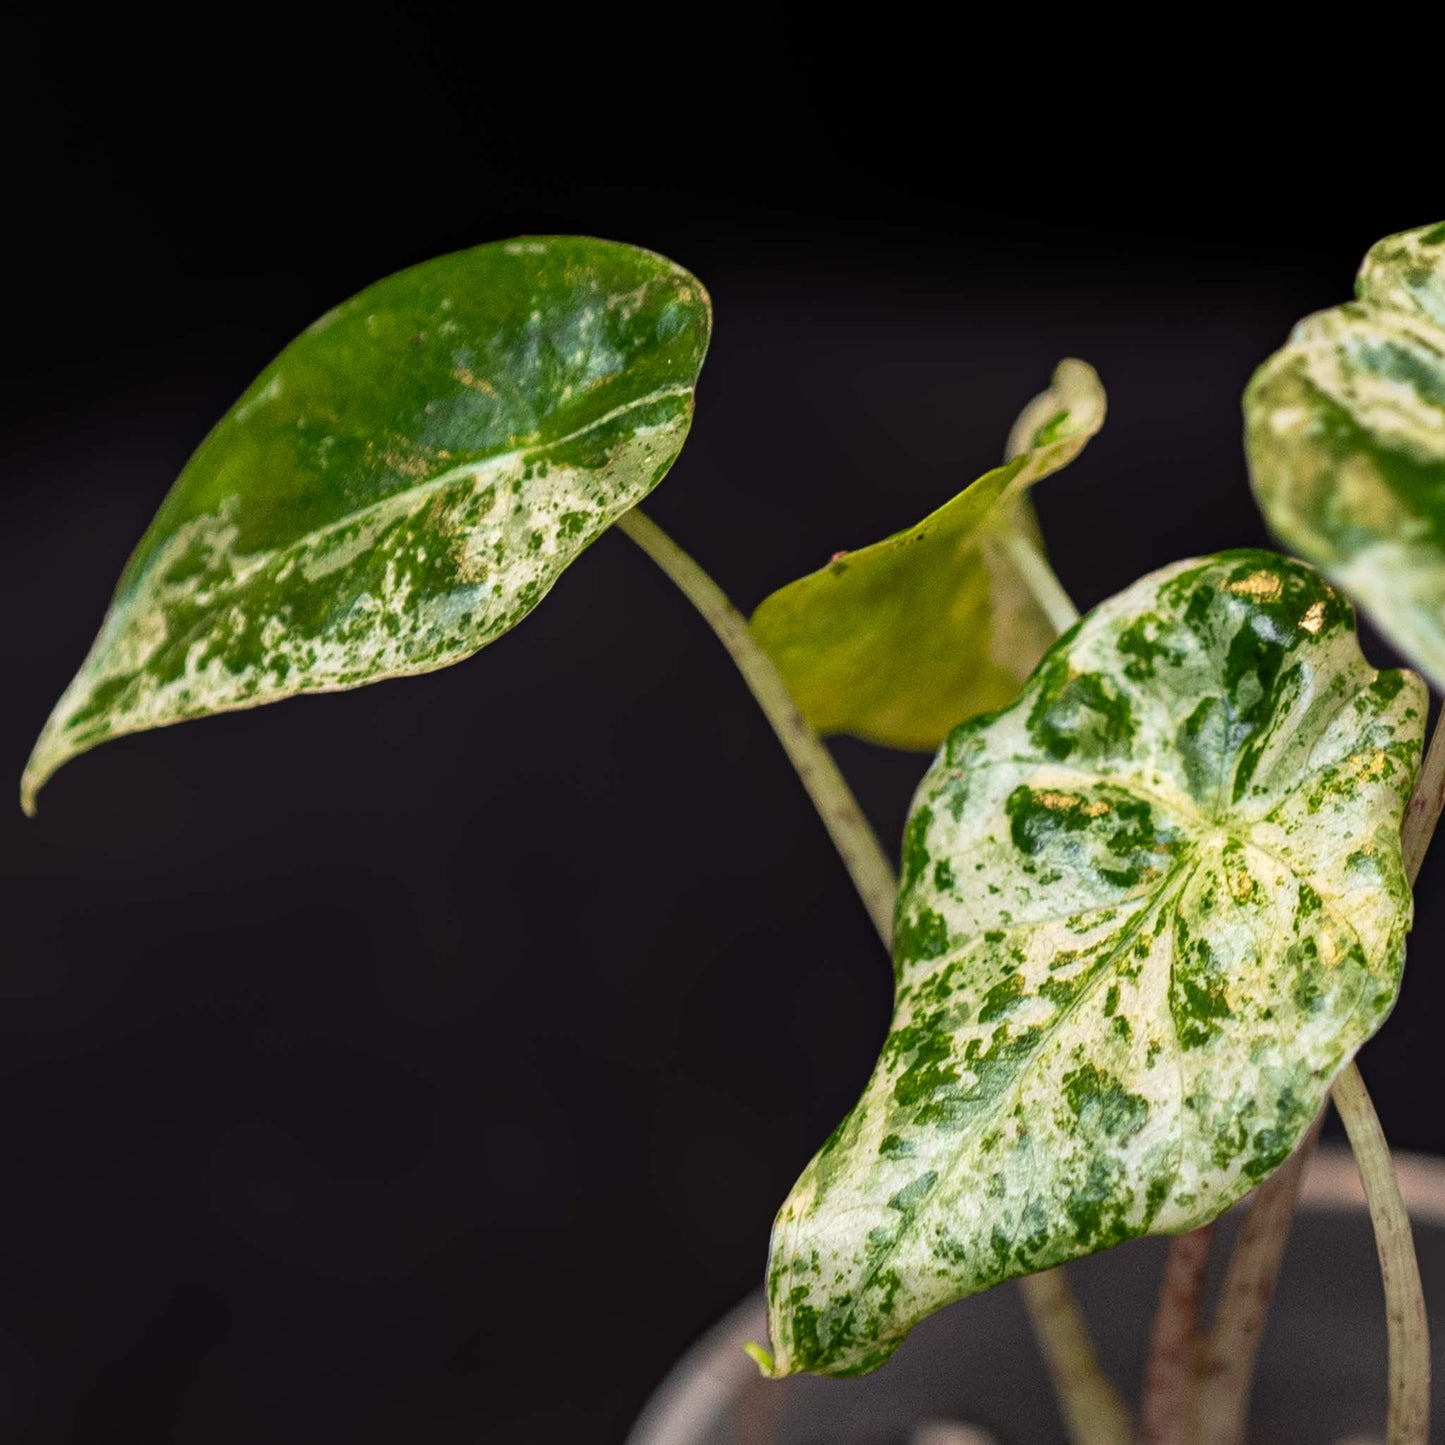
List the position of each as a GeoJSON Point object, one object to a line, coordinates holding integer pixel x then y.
{"type": "Point", "coordinates": [704, 1382]}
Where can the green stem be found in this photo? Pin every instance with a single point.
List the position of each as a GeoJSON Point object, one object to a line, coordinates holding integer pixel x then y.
{"type": "Point", "coordinates": [1405, 1318]}
{"type": "Point", "coordinates": [877, 885]}
{"type": "Point", "coordinates": [852, 835]}
{"type": "Point", "coordinates": [1091, 1407]}
{"type": "Point", "coordinates": [1039, 577]}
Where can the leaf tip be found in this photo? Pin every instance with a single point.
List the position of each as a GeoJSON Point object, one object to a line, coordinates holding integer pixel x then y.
{"type": "Point", "coordinates": [1072, 407]}
{"type": "Point", "coordinates": [37, 773]}
{"type": "Point", "coordinates": [767, 1366]}
{"type": "Point", "coordinates": [52, 750]}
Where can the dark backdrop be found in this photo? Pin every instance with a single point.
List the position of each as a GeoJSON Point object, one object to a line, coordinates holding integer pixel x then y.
{"type": "Point", "coordinates": [427, 1062]}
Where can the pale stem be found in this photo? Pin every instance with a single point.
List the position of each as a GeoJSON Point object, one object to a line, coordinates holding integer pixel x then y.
{"type": "Point", "coordinates": [1423, 812]}
{"type": "Point", "coordinates": [1173, 1340]}
{"type": "Point", "coordinates": [1047, 590]}
{"type": "Point", "coordinates": [877, 885]}
{"type": "Point", "coordinates": [1091, 1407]}
{"type": "Point", "coordinates": [1405, 1319]}
{"type": "Point", "coordinates": [852, 835]}
{"type": "Point", "coordinates": [1227, 1360]}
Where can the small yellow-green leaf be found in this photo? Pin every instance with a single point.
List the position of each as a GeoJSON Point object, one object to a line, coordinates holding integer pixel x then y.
{"type": "Point", "coordinates": [400, 486]}
{"type": "Point", "coordinates": [1148, 912]}
{"type": "Point", "coordinates": [900, 641]}
{"type": "Point", "coordinates": [1345, 428]}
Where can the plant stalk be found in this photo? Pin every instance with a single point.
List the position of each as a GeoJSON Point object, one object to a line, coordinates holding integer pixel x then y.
{"type": "Point", "coordinates": [1422, 813]}
{"type": "Point", "coordinates": [1091, 1407]}
{"type": "Point", "coordinates": [852, 834]}
{"type": "Point", "coordinates": [1085, 1392]}
{"type": "Point", "coordinates": [1408, 1422]}
{"type": "Point", "coordinates": [1168, 1387]}
{"type": "Point", "coordinates": [1225, 1367]}
{"type": "Point", "coordinates": [1041, 580]}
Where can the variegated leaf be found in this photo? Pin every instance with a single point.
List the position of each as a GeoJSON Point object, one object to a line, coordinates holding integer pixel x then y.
{"type": "Point", "coordinates": [400, 486]}
{"type": "Point", "coordinates": [943, 602]}
{"type": "Point", "coordinates": [1346, 438]}
{"type": "Point", "coordinates": [1148, 912]}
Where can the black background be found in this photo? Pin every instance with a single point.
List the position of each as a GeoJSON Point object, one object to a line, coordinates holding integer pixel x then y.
{"type": "Point", "coordinates": [427, 1062]}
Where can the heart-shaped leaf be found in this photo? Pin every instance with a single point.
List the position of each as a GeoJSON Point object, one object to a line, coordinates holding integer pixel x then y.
{"type": "Point", "coordinates": [1345, 428]}
{"type": "Point", "coordinates": [945, 601]}
{"type": "Point", "coordinates": [1148, 912]}
{"type": "Point", "coordinates": [400, 486]}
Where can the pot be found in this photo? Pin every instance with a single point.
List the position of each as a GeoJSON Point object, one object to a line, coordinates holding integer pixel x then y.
{"type": "Point", "coordinates": [971, 1375]}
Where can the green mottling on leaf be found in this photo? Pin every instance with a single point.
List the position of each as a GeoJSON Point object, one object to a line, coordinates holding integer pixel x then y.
{"type": "Point", "coordinates": [921, 935]}
{"type": "Point", "coordinates": [1387, 684]}
{"type": "Point", "coordinates": [1101, 1102]}
{"type": "Point", "coordinates": [911, 1195]}
{"type": "Point", "coordinates": [1083, 716]}
{"type": "Point", "coordinates": [915, 852]}
{"type": "Point", "coordinates": [1002, 999]}
{"type": "Point", "coordinates": [1051, 430]}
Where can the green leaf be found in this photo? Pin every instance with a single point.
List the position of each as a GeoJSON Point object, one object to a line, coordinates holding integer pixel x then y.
{"type": "Point", "coordinates": [400, 486]}
{"type": "Point", "coordinates": [1345, 428]}
{"type": "Point", "coordinates": [945, 601]}
{"type": "Point", "coordinates": [1148, 912]}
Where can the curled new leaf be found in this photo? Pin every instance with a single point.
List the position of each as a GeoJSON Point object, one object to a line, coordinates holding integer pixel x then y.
{"type": "Point", "coordinates": [945, 601]}
{"type": "Point", "coordinates": [1148, 912]}
{"type": "Point", "coordinates": [1345, 428]}
{"type": "Point", "coordinates": [400, 486]}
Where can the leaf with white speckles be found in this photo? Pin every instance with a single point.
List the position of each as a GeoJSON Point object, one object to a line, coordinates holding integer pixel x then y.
{"type": "Point", "coordinates": [400, 486]}
{"type": "Point", "coordinates": [1148, 912]}
{"type": "Point", "coordinates": [900, 641]}
{"type": "Point", "coordinates": [1345, 427]}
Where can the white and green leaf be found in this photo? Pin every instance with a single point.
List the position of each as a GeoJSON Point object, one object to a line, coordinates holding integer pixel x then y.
{"type": "Point", "coordinates": [400, 486]}
{"type": "Point", "coordinates": [951, 600]}
{"type": "Point", "coordinates": [1345, 428]}
{"type": "Point", "coordinates": [1148, 912]}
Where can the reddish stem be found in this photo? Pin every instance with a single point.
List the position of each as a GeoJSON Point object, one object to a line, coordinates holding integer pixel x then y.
{"type": "Point", "coordinates": [1173, 1341]}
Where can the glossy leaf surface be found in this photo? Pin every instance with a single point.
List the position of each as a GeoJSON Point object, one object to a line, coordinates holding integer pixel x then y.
{"type": "Point", "coordinates": [900, 641]}
{"type": "Point", "coordinates": [400, 486]}
{"type": "Point", "coordinates": [1147, 913]}
{"type": "Point", "coordinates": [1346, 438]}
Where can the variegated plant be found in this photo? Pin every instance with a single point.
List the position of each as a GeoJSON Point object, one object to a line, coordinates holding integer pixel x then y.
{"type": "Point", "coordinates": [1155, 892]}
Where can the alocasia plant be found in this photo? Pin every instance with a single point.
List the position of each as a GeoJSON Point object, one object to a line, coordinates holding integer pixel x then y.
{"type": "Point", "coordinates": [1157, 880]}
